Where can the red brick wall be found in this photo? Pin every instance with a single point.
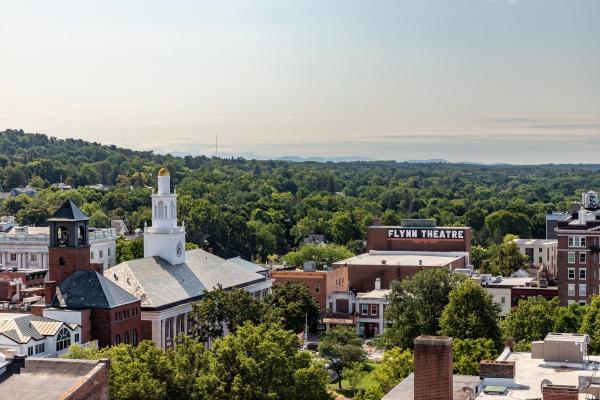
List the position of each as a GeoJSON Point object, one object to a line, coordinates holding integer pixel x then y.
{"type": "Point", "coordinates": [311, 279]}
{"type": "Point", "coordinates": [362, 277]}
{"type": "Point", "coordinates": [496, 369]}
{"type": "Point", "coordinates": [106, 325]}
{"type": "Point", "coordinates": [76, 259]}
{"type": "Point", "coordinates": [558, 392]}
{"type": "Point", "coordinates": [146, 330]}
{"type": "Point", "coordinates": [377, 240]}
{"type": "Point", "coordinates": [93, 387]}
{"type": "Point", "coordinates": [433, 368]}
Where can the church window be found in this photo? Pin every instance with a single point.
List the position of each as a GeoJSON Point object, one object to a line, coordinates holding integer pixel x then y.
{"type": "Point", "coordinates": [134, 338]}
{"type": "Point", "coordinates": [63, 340]}
{"type": "Point", "coordinates": [81, 235]}
{"type": "Point", "coordinates": [118, 339]}
{"type": "Point", "coordinates": [63, 236]}
{"type": "Point", "coordinates": [126, 337]}
{"type": "Point", "coordinates": [161, 209]}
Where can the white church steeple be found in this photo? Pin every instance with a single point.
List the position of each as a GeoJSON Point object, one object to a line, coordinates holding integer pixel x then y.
{"type": "Point", "coordinates": [165, 239]}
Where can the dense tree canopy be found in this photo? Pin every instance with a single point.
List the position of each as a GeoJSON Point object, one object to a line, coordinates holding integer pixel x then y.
{"type": "Point", "coordinates": [341, 347]}
{"type": "Point", "coordinates": [416, 305]}
{"type": "Point", "coordinates": [471, 313]}
{"type": "Point", "coordinates": [257, 208]}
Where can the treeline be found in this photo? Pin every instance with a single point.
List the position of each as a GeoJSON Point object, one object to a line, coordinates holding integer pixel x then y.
{"type": "Point", "coordinates": [258, 209]}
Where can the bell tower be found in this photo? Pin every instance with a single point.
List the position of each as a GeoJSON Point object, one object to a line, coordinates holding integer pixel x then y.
{"type": "Point", "coordinates": [165, 239]}
{"type": "Point", "coordinates": [69, 247]}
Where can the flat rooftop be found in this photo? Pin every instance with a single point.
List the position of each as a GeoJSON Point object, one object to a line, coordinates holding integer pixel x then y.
{"type": "Point", "coordinates": [396, 259]}
{"type": "Point", "coordinates": [536, 242]}
{"type": "Point", "coordinates": [374, 294]}
{"type": "Point", "coordinates": [531, 372]}
{"type": "Point", "coordinates": [46, 379]}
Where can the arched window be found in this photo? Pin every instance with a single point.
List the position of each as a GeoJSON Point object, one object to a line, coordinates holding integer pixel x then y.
{"type": "Point", "coordinates": [161, 209]}
{"type": "Point", "coordinates": [117, 339]}
{"type": "Point", "coordinates": [63, 339]}
{"type": "Point", "coordinates": [81, 235]}
{"type": "Point", "coordinates": [126, 337]}
{"type": "Point", "coordinates": [134, 338]}
{"type": "Point", "coordinates": [63, 236]}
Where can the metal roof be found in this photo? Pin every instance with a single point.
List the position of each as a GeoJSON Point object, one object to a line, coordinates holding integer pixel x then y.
{"type": "Point", "coordinates": [23, 328]}
{"type": "Point", "coordinates": [68, 212]}
{"type": "Point", "coordinates": [160, 285]}
{"type": "Point", "coordinates": [89, 289]}
{"type": "Point", "coordinates": [247, 264]}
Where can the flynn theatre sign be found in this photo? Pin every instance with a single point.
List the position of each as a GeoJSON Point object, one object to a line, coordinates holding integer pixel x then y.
{"type": "Point", "coordinates": [426, 233]}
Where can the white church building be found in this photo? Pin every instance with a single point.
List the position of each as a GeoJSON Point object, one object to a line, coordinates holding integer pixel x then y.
{"type": "Point", "coordinates": [169, 279]}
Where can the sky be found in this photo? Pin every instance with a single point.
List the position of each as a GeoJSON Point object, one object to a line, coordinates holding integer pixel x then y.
{"type": "Point", "coordinates": [514, 81]}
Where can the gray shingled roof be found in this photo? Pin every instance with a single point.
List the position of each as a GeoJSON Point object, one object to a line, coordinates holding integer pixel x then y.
{"type": "Point", "coordinates": [69, 212]}
{"type": "Point", "coordinates": [160, 285]}
{"type": "Point", "coordinates": [89, 289]}
{"type": "Point", "coordinates": [247, 264]}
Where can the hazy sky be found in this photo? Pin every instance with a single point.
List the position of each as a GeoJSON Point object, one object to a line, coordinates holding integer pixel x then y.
{"type": "Point", "coordinates": [477, 80]}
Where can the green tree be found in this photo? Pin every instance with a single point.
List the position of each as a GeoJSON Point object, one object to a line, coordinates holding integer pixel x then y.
{"type": "Point", "coordinates": [129, 249]}
{"type": "Point", "coordinates": [140, 372]}
{"type": "Point", "coordinates": [341, 346]}
{"type": "Point", "coordinates": [354, 373]}
{"type": "Point", "coordinates": [467, 353]}
{"type": "Point", "coordinates": [502, 222]}
{"type": "Point", "coordinates": [504, 259]}
{"type": "Point", "coordinates": [416, 305]}
{"type": "Point", "coordinates": [261, 362]}
{"type": "Point", "coordinates": [396, 365]}
{"type": "Point", "coordinates": [568, 319]}
{"type": "Point", "coordinates": [532, 319]}
{"type": "Point", "coordinates": [343, 228]}
{"type": "Point", "coordinates": [220, 311]}
{"type": "Point", "coordinates": [591, 324]}
{"type": "Point", "coordinates": [471, 314]}
{"type": "Point", "coordinates": [33, 216]}
{"type": "Point", "coordinates": [293, 304]}
{"type": "Point", "coordinates": [99, 220]}
{"type": "Point", "coordinates": [321, 254]}
{"type": "Point", "coordinates": [372, 393]}
{"type": "Point", "coordinates": [13, 177]}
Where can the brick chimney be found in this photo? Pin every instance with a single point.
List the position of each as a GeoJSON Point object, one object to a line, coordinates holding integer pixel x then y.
{"type": "Point", "coordinates": [433, 368]}
{"type": "Point", "coordinates": [560, 392]}
{"type": "Point", "coordinates": [49, 291]}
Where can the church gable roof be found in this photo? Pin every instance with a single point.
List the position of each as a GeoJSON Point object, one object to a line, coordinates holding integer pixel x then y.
{"type": "Point", "coordinates": [69, 212]}
{"type": "Point", "coordinates": [89, 289]}
{"type": "Point", "coordinates": [160, 285]}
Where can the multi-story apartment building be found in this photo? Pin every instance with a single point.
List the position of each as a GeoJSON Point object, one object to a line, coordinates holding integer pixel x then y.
{"type": "Point", "coordinates": [541, 253]}
{"type": "Point", "coordinates": [25, 247]}
{"type": "Point", "coordinates": [578, 248]}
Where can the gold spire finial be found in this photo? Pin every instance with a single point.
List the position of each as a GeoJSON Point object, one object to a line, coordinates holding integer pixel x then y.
{"type": "Point", "coordinates": [164, 172]}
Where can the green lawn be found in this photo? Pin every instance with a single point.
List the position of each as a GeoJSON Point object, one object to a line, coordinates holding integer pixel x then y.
{"type": "Point", "coordinates": [366, 382]}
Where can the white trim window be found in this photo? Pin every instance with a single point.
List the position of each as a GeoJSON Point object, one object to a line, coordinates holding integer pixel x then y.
{"type": "Point", "coordinates": [571, 273]}
{"type": "Point", "coordinates": [571, 289]}
{"type": "Point", "coordinates": [576, 241]}
{"type": "Point", "coordinates": [582, 273]}
{"type": "Point", "coordinates": [582, 290]}
{"type": "Point", "coordinates": [582, 258]}
{"type": "Point", "coordinates": [364, 309]}
{"type": "Point", "coordinates": [374, 309]}
{"type": "Point", "coordinates": [571, 257]}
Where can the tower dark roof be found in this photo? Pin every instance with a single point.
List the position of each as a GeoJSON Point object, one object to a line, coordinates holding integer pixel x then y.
{"type": "Point", "coordinates": [89, 289]}
{"type": "Point", "coordinates": [69, 212]}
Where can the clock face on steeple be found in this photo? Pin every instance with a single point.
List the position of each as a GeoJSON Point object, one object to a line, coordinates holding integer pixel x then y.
{"type": "Point", "coordinates": [179, 249]}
